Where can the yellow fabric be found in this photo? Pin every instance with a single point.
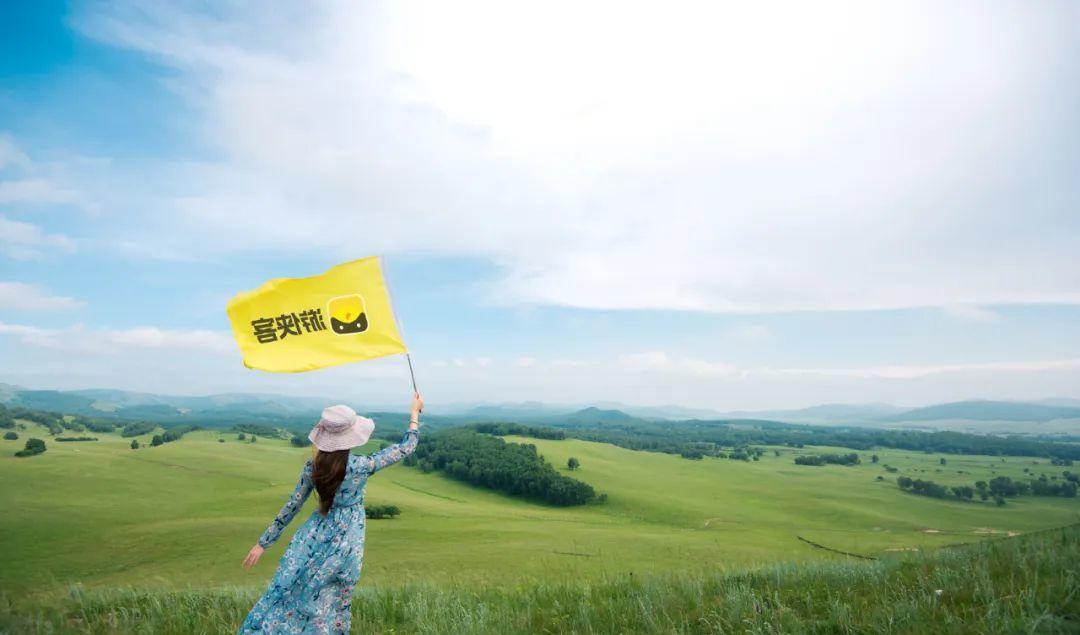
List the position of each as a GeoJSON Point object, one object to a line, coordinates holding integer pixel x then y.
{"type": "Point", "coordinates": [290, 325]}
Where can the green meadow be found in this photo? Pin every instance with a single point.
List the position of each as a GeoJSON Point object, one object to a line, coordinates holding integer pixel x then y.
{"type": "Point", "coordinates": [183, 515]}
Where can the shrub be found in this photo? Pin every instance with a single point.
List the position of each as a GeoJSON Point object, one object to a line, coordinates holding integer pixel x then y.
{"type": "Point", "coordinates": [134, 444]}
{"type": "Point", "coordinates": [76, 438]}
{"type": "Point", "coordinates": [300, 440]}
{"type": "Point", "coordinates": [10, 436]}
{"type": "Point", "coordinates": [33, 446]}
{"type": "Point", "coordinates": [382, 511]}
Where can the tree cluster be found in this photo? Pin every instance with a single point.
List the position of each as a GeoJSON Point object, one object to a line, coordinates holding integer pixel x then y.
{"type": "Point", "coordinates": [258, 429]}
{"type": "Point", "coordinates": [828, 459]}
{"type": "Point", "coordinates": [300, 440]}
{"type": "Point", "coordinates": [50, 420]}
{"type": "Point", "coordinates": [381, 511]}
{"type": "Point", "coordinates": [33, 446]}
{"type": "Point", "coordinates": [138, 428]}
{"type": "Point", "coordinates": [172, 434]}
{"type": "Point", "coordinates": [743, 453]}
{"type": "Point", "coordinates": [673, 437]}
{"type": "Point", "coordinates": [75, 439]}
{"type": "Point", "coordinates": [999, 488]}
{"type": "Point", "coordinates": [921, 487]}
{"type": "Point", "coordinates": [1043, 487]}
{"type": "Point", "coordinates": [488, 461]}
{"type": "Point", "coordinates": [516, 429]}
{"type": "Point", "coordinates": [97, 425]}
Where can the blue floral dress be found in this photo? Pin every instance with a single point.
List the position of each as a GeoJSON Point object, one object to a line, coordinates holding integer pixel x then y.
{"type": "Point", "coordinates": [311, 592]}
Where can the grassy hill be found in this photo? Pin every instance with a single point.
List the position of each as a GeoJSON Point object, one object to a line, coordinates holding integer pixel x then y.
{"type": "Point", "coordinates": [1027, 584]}
{"type": "Point", "coordinates": [184, 514]}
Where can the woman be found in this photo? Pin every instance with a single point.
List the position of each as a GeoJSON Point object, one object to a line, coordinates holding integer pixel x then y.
{"type": "Point", "coordinates": [312, 589]}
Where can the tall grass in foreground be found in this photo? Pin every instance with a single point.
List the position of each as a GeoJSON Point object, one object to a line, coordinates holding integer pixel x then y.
{"type": "Point", "coordinates": [1029, 584]}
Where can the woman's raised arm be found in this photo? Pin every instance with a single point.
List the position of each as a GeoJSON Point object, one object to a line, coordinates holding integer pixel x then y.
{"type": "Point", "coordinates": [394, 453]}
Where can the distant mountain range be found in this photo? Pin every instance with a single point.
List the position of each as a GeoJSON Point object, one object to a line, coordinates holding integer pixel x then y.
{"type": "Point", "coordinates": [1053, 415]}
{"type": "Point", "coordinates": [988, 411]}
{"type": "Point", "coordinates": [825, 413]}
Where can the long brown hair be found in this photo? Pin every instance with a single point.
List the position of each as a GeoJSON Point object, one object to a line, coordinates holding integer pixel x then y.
{"type": "Point", "coordinates": [327, 472]}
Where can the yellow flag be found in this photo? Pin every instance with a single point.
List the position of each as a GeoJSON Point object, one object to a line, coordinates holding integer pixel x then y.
{"type": "Point", "coordinates": [290, 325]}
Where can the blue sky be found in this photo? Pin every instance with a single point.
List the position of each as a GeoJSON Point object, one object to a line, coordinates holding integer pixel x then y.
{"type": "Point", "coordinates": [696, 205]}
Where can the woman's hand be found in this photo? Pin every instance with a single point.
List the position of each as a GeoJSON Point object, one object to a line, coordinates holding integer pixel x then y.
{"type": "Point", "coordinates": [253, 556]}
{"type": "Point", "coordinates": [417, 408]}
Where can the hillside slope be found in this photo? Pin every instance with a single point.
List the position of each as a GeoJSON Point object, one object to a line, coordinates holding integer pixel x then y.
{"type": "Point", "coordinates": [100, 514]}
{"type": "Point", "coordinates": [988, 411]}
{"type": "Point", "coordinates": [1013, 585]}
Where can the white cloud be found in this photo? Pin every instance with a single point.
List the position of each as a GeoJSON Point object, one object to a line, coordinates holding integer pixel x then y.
{"type": "Point", "coordinates": [29, 297]}
{"type": "Point", "coordinates": [10, 154]}
{"type": "Point", "coordinates": [704, 157]}
{"type": "Point", "coordinates": [525, 362]}
{"type": "Point", "coordinates": [35, 190]}
{"type": "Point", "coordinates": [111, 341]}
{"type": "Point", "coordinates": [568, 363]}
{"type": "Point", "coordinates": [661, 362]}
{"type": "Point", "coordinates": [753, 333]}
{"type": "Point", "coordinates": [916, 371]}
{"type": "Point", "coordinates": [26, 241]}
{"type": "Point", "coordinates": [971, 313]}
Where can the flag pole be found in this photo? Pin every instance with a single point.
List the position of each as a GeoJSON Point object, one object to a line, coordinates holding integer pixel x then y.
{"type": "Point", "coordinates": [397, 322]}
{"type": "Point", "coordinates": [411, 374]}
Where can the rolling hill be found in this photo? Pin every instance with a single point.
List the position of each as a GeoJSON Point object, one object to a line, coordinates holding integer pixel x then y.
{"type": "Point", "coordinates": [988, 411]}
{"type": "Point", "coordinates": [983, 416]}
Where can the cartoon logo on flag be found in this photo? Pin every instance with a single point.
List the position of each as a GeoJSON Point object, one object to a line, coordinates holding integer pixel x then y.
{"type": "Point", "coordinates": [347, 315]}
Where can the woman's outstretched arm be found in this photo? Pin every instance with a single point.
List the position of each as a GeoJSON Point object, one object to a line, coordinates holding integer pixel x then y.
{"type": "Point", "coordinates": [284, 517]}
{"type": "Point", "coordinates": [394, 453]}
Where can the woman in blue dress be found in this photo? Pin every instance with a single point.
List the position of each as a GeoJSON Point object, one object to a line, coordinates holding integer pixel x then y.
{"type": "Point", "coordinates": [311, 592]}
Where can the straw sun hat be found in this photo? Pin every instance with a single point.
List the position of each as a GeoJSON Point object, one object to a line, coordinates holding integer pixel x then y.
{"type": "Point", "coordinates": [340, 428]}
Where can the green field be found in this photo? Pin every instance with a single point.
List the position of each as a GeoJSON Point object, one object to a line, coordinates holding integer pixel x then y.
{"type": "Point", "coordinates": [1024, 584]}
{"type": "Point", "coordinates": [184, 514]}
